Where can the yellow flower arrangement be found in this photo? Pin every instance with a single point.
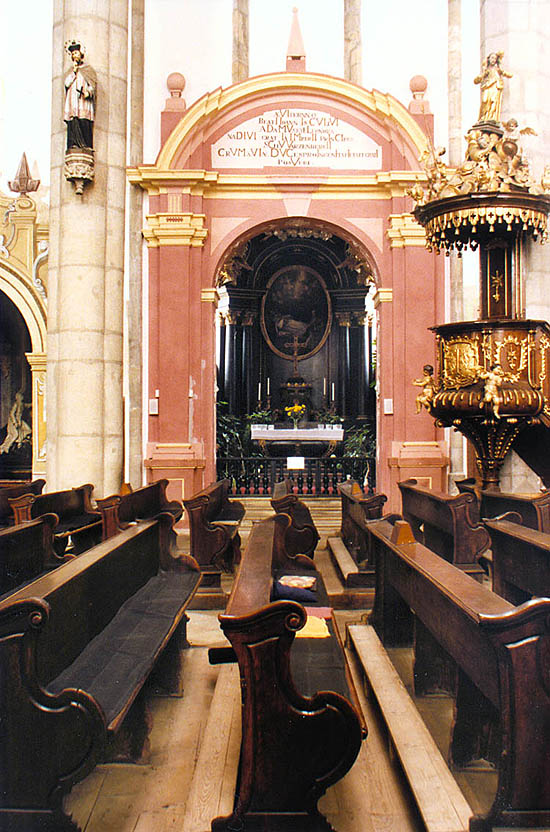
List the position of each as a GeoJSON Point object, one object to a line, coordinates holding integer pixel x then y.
{"type": "Point", "coordinates": [295, 411]}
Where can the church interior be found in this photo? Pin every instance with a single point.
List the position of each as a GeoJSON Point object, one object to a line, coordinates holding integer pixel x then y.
{"type": "Point", "coordinates": [275, 428]}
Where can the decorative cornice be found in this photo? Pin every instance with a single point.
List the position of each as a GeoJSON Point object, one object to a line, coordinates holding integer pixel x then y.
{"type": "Point", "coordinates": [404, 231]}
{"type": "Point", "coordinates": [382, 295]}
{"type": "Point", "coordinates": [184, 229]}
{"type": "Point", "coordinates": [213, 185]}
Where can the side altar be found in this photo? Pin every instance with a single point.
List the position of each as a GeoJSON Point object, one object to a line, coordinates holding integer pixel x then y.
{"type": "Point", "coordinates": [276, 440]}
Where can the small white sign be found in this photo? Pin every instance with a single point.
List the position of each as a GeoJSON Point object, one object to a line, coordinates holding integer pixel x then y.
{"type": "Point", "coordinates": [388, 407]}
{"type": "Point", "coordinates": [295, 463]}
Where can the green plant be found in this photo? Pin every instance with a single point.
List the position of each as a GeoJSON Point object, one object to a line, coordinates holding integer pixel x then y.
{"type": "Point", "coordinates": [229, 441]}
{"type": "Point", "coordinates": [325, 416]}
{"type": "Point", "coordinates": [359, 440]}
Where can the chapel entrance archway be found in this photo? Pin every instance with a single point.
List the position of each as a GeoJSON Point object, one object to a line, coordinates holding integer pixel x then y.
{"type": "Point", "coordinates": [293, 330]}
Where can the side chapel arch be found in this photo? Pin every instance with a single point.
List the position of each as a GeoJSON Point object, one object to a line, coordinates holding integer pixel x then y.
{"type": "Point", "coordinates": [23, 268]}
{"type": "Point", "coordinates": [217, 181]}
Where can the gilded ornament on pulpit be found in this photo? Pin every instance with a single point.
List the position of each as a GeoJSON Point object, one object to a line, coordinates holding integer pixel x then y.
{"type": "Point", "coordinates": [460, 362]}
{"type": "Point", "coordinates": [492, 395]}
{"type": "Point", "coordinates": [427, 383]}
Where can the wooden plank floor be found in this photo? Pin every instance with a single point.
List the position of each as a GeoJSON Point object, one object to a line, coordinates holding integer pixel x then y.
{"type": "Point", "coordinates": [152, 797]}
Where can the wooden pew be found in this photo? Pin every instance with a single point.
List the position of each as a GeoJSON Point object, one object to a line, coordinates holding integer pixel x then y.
{"type": "Point", "coordinates": [26, 551]}
{"type": "Point", "coordinates": [499, 653]}
{"type": "Point", "coordinates": [448, 525]}
{"type": "Point", "coordinates": [296, 741]}
{"type": "Point", "coordinates": [350, 552]}
{"type": "Point", "coordinates": [119, 510]}
{"type": "Point", "coordinates": [11, 491]}
{"type": "Point", "coordinates": [284, 501]}
{"type": "Point", "coordinates": [533, 510]}
{"type": "Point", "coordinates": [214, 522]}
{"type": "Point", "coordinates": [77, 646]}
{"type": "Point", "coordinates": [356, 508]}
{"type": "Point", "coordinates": [521, 560]}
{"type": "Point", "coordinates": [78, 519]}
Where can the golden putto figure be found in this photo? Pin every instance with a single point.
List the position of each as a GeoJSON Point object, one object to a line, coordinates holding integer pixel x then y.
{"type": "Point", "coordinates": [427, 383]}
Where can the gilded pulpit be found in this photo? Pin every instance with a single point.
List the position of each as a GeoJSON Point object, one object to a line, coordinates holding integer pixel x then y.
{"type": "Point", "coordinates": [493, 373]}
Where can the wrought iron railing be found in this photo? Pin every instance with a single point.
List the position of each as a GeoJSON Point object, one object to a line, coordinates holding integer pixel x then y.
{"type": "Point", "coordinates": [319, 477]}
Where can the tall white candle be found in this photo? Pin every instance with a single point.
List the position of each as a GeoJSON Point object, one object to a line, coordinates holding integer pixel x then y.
{"type": "Point", "coordinates": [268, 380]}
{"type": "Point", "coordinates": [332, 397]}
{"type": "Point", "coordinates": [324, 386]}
{"type": "Point", "coordinates": [259, 391]}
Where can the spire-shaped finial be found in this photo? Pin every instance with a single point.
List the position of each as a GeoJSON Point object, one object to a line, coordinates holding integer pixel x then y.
{"type": "Point", "coordinates": [23, 182]}
{"type": "Point", "coordinates": [295, 54]}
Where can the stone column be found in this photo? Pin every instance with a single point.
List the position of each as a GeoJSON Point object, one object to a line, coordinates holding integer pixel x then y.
{"type": "Point", "coordinates": [353, 68]}
{"type": "Point", "coordinates": [239, 63]}
{"type": "Point", "coordinates": [86, 264]}
{"type": "Point", "coordinates": [454, 83]}
{"type": "Point", "coordinates": [134, 370]}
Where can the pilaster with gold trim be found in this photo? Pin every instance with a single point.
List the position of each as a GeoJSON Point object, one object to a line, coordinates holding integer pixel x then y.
{"type": "Point", "coordinates": [37, 363]}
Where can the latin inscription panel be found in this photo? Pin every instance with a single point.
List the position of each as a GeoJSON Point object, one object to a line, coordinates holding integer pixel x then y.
{"type": "Point", "coordinates": [292, 138]}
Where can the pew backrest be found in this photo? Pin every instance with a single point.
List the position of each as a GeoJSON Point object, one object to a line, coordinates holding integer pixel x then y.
{"type": "Point", "coordinates": [118, 510]}
{"type": "Point", "coordinates": [68, 504]}
{"type": "Point", "coordinates": [302, 537]}
{"type": "Point", "coordinates": [521, 560]}
{"type": "Point", "coordinates": [10, 492]}
{"type": "Point", "coordinates": [26, 551]}
{"type": "Point", "coordinates": [448, 525]}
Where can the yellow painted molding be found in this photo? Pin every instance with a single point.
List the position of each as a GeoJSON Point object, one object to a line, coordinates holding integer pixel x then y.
{"type": "Point", "coordinates": [381, 105]}
{"type": "Point", "coordinates": [209, 295]}
{"type": "Point", "coordinates": [174, 229]}
{"type": "Point", "coordinates": [405, 231]}
{"type": "Point", "coordinates": [382, 295]}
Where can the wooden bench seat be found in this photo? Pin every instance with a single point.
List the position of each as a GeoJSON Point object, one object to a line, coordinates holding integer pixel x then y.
{"type": "Point", "coordinates": [76, 648]}
{"type": "Point", "coordinates": [214, 522]}
{"type": "Point", "coordinates": [498, 653]}
{"type": "Point", "coordinates": [437, 795]}
{"type": "Point", "coordinates": [305, 537]}
{"type": "Point", "coordinates": [532, 510]}
{"type": "Point", "coordinates": [294, 745]}
{"type": "Point", "coordinates": [26, 551]}
{"type": "Point", "coordinates": [78, 520]}
{"type": "Point", "coordinates": [8, 492]}
{"type": "Point", "coordinates": [118, 510]}
{"type": "Point", "coordinates": [448, 525]}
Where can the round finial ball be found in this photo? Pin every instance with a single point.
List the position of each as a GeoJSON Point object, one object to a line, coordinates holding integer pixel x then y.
{"type": "Point", "coordinates": [175, 82]}
{"type": "Point", "coordinates": [418, 84]}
